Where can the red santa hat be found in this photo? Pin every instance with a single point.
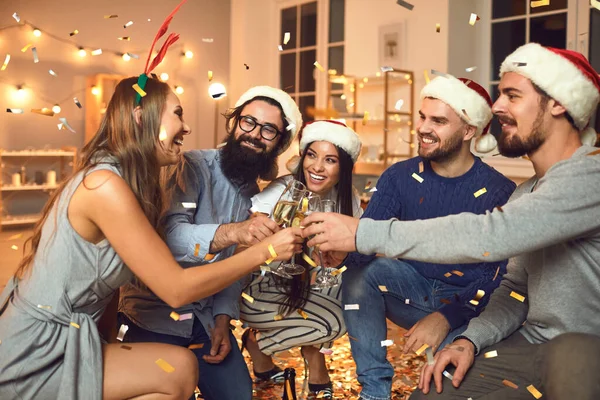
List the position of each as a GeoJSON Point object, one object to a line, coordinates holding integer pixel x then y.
{"type": "Point", "coordinates": [334, 132]}
{"type": "Point", "coordinates": [288, 105]}
{"type": "Point", "coordinates": [564, 75]}
{"type": "Point", "coordinates": [470, 101]}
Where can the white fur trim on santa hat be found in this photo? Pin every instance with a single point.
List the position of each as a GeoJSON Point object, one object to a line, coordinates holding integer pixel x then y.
{"type": "Point", "coordinates": [558, 77]}
{"type": "Point", "coordinates": [289, 106]}
{"type": "Point", "coordinates": [332, 132]}
{"type": "Point", "coordinates": [485, 143]}
{"type": "Point", "coordinates": [460, 97]}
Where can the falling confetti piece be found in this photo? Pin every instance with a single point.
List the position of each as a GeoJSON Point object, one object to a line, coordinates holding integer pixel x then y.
{"type": "Point", "coordinates": [75, 32]}
{"type": "Point", "coordinates": [426, 76]}
{"type": "Point", "coordinates": [510, 384]}
{"type": "Point", "coordinates": [188, 205]}
{"type": "Point", "coordinates": [186, 316]}
{"type": "Point", "coordinates": [429, 354]}
{"type": "Point", "coordinates": [517, 296]}
{"type": "Point", "coordinates": [128, 24]}
{"type": "Point", "coordinates": [77, 103]}
{"type": "Point", "coordinates": [445, 301]}
{"type": "Point", "coordinates": [196, 346]}
{"type": "Point", "coordinates": [14, 247]}
{"type": "Point", "coordinates": [96, 52]}
{"type": "Point", "coordinates": [421, 349]}
{"type": "Point", "coordinates": [125, 38]}
{"type": "Point", "coordinates": [208, 40]}
{"type": "Point", "coordinates": [470, 69]}
{"type": "Point", "coordinates": [36, 59]}
{"type": "Point", "coordinates": [448, 274]}
{"type": "Point", "coordinates": [539, 3]}
{"type": "Point", "coordinates": [15, 110]}
{"type": "Point", "coordinates": [387, 343]}
{"type": "Point", "coordinates": [473, 18]}
{"type": "Point", "coordinates": [534, 392]}
{"type": "Point", "coordinates": [122, 331]}
{"type": "Point", "coordinates": [407, 301]}
{"type": "Point", "coordinates": [319, 66]}
{"type": "Point", "coordinates": [15, 237]}
{"type": "Point", "coordinates": [278, 317]}
{"type": "Point", "coordinates": [324, 351]}
{"type": "Point", "coordinates": [480, 192]}
{"type": "Point", "coordinates": [248, 298]}
{"type": "Point", "coordinates": [66, 124]}
{"type": "Point", "coordinates": [136, 56]}
{"type": "Point", "coordinates": [496, 274]}
{"type": "Point", "coordinates": [16, 17]}
{"type": "Point", "coordinates": [417, 177]}
{"type": "Point", "coordinates": [351, 307]}
{"type": "Point", "coordinates": [51, 72]}
{"type": "Point", "coordinates": [595, 4]}
{"type": "Point", "coordinates": [308, 260]}
{"type": "Point", "coordinates": [491, 354]}
{"type": "Point", "coordinates": [73, 324]}
{"type": "Point", "coordinates": [437, 28]}
{"type": "Point", "coordinates": [520, 64]}
{"type": "Point", "coordinates": [399, 104]}
{"type": "Point", "coordinates": [247, 67]}
{"type": "Point", "coordinates": [280, 47]}
{"type": "Point", "coordinates": [386, 69]}
{"type": "Point", "coordinates": [383, 288]}
{"type": "Point", "coordinates": [5, 64]}
{"type": "Point", "coordinates": [27, 46]}
{"type": "Point", "coordinates": [421, 167]}
{"type": "Point", "coordinates": [365, 118]}
{"type": "Point", "coordinates": [168, 368]}
{"type": "Point", "coordinates": [486, 254]}
{"type": "Point", "coordinates": [339, 271]}
{"type": "Point", "coordinates": [286, 37]}
{"type": "Point", "coordinates": [440, 73]}
{"type": "Point", "coordinates": [368, 185]}
{"type": "Point", "coordinates": [593, 153]}
{"type": "Point", "coordinates": [373, 190]}
{"type": "Point", "coordinates": [174, 316]}
{"type": "Point", "coordinates": [290, 127]}
{"type": "Point", "coordinates": [478, 296]}
{"type": "Point", "coordinates": [456, 272]}
{"type": "Point", "coordinates": [43, 111]}
{"type": "Point", "coordinates": [125, 347]}
{"type": "Point", "coordinates": [210, 76]}
{"type": "Point", "coordinates": [197, 250]}
{"type": "Point", "coordinates": [138, 89]}
{"type": "Point", "coordinates": [448, 375]}
{"type": "Point", "coordinates": [303, 313]}
{"type": "Point", "coordinates": [44, 307]}
{"type": "Point", "coordinates": [405, 4]}
{"type": "Point", "coordinates": [111, 16]}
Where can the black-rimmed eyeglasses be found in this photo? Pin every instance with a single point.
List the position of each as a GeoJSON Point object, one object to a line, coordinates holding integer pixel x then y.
{"type": "Point", "coordinates": [268, 132]}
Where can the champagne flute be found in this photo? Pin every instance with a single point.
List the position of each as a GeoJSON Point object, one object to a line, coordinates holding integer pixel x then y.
{"type": "Point", "coordinates": [286, 214]}
{"type": "Point", "coordinates": [326, 279]}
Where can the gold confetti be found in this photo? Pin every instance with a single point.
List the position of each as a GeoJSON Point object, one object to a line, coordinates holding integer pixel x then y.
{"type": "Point", "coordinates": [510, 384]}
{"type": "Point", "coordinates": [486, 254]}
{"type": "Point", "coordinates": [491, 354]}
{"type": "Point", "coordinates": [210, 76]}
{"type": "Point", "coordinates": [278, 317]}
{"type": "Point", "coordinates": [496, 274]}
{"type": "Point", "coordinates": [319, 66]}
{"type": "Point", "coordinates": [339, 271]}
{"type": "Point", "coordinates": [478, 296]}
{"type": "Point", "coordinates": [174, 316]}
{"type": "Point", "coordinates": [457, 272]}
{"type": "Point", "coordinates": [196, 249]}
{"type": "Point", "coordinates": [27, 46]}
{"type": "Point", "coordinates": [125, 38]}
{"type": "Point", "coordinates": [196, 346]}
{"type": "Point", "coordinates": [595, 4]}
{"type": "Point", "coordinates": [365, 118]}
{"type": "Point", "coordinates": [303, 313]}
{"type": "Point", "coordinates": [111, 16]}
{"type": "Point", "coordinates": [308, 260]}
{"type": "Point", "coordinates": [44, 307]}
{"type": "Point", "coordinates": [593, 153]}
{"type": "Point", "coordinates": [73, 324]}
{"type": "Point", "coordinates": [209, 256]}
{"type": "Point", "coordinates": [534, 392]}
{"type": "Point", "coordinates": [437, 28]}
{"type": "Point", "coordinates": [75, 32]}
{"type": "Point", "coordinates": [304, 204]}
{"type": "Point", "coordinates": [517, 296]}
{"type": "Point", "coordinates": [417, 177]}
{"type": "Point", "coordinates": [14, 247]}
{"type": "Point", "coordinates": [138, 89]}
{"type": "Point", "coordinates": [122, 331]}
{"type": "Point", "coordinates": [125, 347]}
{"type": "Point", "coordinates": [539, 3]}
{"type": "Point", "coordinates": [448, 274]}
{"type": "Point", "coordinates": [43, 111]}
{"type": "Point", "coordinates": [473, 18]}
{"type": "Point", "coordinates": [421, 349]}
{"type": "Point", "coordinates": [383, 288]}
{"type": "Point", "coordinates": [421, 167]}
{"type": "Point", "coordinates": [480, 192]}
{"type": "Point", "coordinates": [272, 251]}
{"type": "Point", "coordinates": [168, 368]}
{"type": "Point", "coordinates": [286, 37]}
{"type": "Point", "coordinates": [247, 297]}
{"type": "Point", "coordinates": [5, 64]}
{"type": "Point", "coordinates": [405, 4]}
{"type": "Point", "coordinates": [445, 301]}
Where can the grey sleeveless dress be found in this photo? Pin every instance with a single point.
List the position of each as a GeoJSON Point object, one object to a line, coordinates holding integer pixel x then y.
{"type": "Point", "coordinates": [50, 346]}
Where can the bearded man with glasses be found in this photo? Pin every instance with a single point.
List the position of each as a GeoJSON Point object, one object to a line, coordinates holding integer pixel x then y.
{"type": "Point", "coordinates": [207, 220]}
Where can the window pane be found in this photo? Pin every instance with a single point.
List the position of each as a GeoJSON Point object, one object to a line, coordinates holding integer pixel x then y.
{"type": "Point", "coordinates": [287, 72]}
{"type": "Point", "coordinates": [289, 18]}
{"type": "Point", "coordinates": [550, 30]}
{"type": "Point", "coordinates": [336, 61]}
{"type": "Point", "coordinates": [506, 37]}
{"type": "Point", "coordinates": [306, 101]}
{"type": "Point", "coordinates": [554, 5]}
{"type": "Point", "coordinates": [594, 40]}
{"type": "Point", "coordinates": [307, 80]}
{"type": "Point", "coordinates": [308, 27]}
{"type": "Point", "coordinates": [336, 20]}
{"type": "Point", "coordinates": [508, 8]}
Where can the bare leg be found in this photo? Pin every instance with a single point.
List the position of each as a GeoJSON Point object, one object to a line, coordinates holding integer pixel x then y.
{"type": "Point", "coordinates": [260, 361]}
{"type": "Point", "coordinates": [131, 372]}
{"type": "Point", "coordinates": [316, 365]}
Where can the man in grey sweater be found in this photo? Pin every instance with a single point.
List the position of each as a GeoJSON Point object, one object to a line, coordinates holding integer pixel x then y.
{"type": "Point", "coordinates": [539, 333]}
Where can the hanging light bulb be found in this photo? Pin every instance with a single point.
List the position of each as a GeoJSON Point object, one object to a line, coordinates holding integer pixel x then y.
{"type": "Point", "coordinates": [164, 77]}
{"type": "Point", "coordinates": [126, 57]}
{"type": "Point", "coordinates": [217, 90]}
{"type": "Point", "coordinates": [20, 93]}
{"type": "Point", "coordinates": [56, 109]}
{"type": "Point", "coordinates": [188, 54]}
{"type": "Point", "coordinates": [95, 90]}
{"type": "Point", "coordinates": [37, 32]}
{"type": "Point", "coordinates": [82, 52]}
{"type": "Point", "coordinates": [178, 90]}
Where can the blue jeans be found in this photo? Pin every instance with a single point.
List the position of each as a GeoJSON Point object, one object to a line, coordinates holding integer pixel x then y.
{"type": "Point", "coordinates": [228, 380]}
{"type": "Point", "coordinates": [368, 324]}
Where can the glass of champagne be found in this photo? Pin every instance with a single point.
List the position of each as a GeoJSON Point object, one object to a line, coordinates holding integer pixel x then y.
{"type": "Point", "coordinates": [325, 279]}
{"type": "Point", "coordinates": [288, 212]}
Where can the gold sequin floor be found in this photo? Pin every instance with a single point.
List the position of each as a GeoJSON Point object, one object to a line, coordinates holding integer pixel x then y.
{"type": "Point", "coordinates": [342, 369]}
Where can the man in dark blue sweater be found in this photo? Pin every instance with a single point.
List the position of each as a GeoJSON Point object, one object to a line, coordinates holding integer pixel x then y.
{"type": "Point", "coordinates": [433, 301]}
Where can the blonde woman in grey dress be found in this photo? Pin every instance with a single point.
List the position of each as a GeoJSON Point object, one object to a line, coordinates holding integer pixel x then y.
{"type": "Point", "coordinates": [99, 229]}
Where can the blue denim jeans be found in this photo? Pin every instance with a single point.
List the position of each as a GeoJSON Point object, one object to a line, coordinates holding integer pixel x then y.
{"type": "Point", "coordinates": [368, 324]}
{"type": "Point", "coordinates": [229, 379]}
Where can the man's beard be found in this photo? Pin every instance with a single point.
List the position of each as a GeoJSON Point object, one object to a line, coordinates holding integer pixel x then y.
{"type": "Point", "coordinates": [240, 163]}
{"type": "Point", "coordinates": [516, 147]}
{"type": "Point", "coordinates": [446, 151]}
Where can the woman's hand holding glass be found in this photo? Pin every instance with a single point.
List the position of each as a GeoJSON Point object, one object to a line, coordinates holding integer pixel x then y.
{"type": "Point", "coordinates": [286, 243]}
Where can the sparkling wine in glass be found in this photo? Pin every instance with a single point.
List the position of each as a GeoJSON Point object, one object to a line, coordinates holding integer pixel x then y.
{"type": "Point", "coordinates": [325, 279]}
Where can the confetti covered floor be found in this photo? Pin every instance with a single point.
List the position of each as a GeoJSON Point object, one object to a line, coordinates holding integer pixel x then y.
{"type": "Point", "coordinates": [342, 369]}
